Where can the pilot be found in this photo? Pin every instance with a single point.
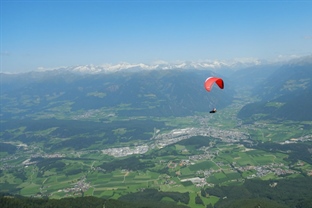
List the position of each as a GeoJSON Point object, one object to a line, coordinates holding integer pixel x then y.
{"type": "Point", "coordinates": [214, 110]}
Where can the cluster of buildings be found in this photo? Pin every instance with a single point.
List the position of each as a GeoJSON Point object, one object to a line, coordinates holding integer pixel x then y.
{"type": "Point", "coordinates": [125, 151]}
{"type": "Point", "coordinates": [174, 136]}
{"type": "Point", "coordinates": [261, 171]}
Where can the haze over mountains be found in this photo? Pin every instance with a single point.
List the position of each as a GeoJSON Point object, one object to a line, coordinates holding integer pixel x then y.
{"type": "Point", "coordinates": [115, 134]}
{"type": "Point", "coordinates": [161, 65]}
{"type": "Point", "coordinates": [285, 94]}
{"type": "Point", "coordinates": [157, 93]}
{"type": "Point", "coordinates": [147, 90]}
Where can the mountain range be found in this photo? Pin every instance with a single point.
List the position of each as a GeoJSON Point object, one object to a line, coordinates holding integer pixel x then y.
{"type": "Point", "coordinates": [281, 91]}
{"type": "Point", "coordinates": [285, 94]}
{"type": "Point", "coordinates": [60, 127]}
{"type": "Point", "coordinates": [160, 65]}
{"type": "Point", "coordinates": [145, 93]}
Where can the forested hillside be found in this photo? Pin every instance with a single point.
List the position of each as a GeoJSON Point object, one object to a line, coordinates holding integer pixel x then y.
{"type": "Point", "coordinates": [10, 201]}
{"type": "Point", "coordinates": [153, 93]}
{"type": "Point", "coordinates": [286, 94]}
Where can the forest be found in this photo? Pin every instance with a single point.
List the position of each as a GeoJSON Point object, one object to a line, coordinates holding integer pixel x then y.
{"type": "Point", "coordinates": [9, 201]}
{"type": "Point", "coordinates": [284, 193]}
{"type": "Point", "coordinates": [290, 192]}
{"type": "Point", "coordinates": [299, 151]}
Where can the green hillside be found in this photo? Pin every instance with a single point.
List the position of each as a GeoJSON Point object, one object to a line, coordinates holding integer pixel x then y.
{"type": "Point", "coordinates": [285, 95]}
{"type": "Point", "coordinates": [146, 93]}
{"type": "Point", "coordinates": [148, 140]}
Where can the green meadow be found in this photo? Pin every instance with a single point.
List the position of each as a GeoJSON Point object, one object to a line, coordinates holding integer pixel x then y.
{"type": "Point", "coordinates": [80, 171]}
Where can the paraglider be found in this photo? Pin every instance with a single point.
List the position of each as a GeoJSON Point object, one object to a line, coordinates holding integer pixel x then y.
{"type": "Point", "coordinates": [211, 80]}
{"type": "Point", "coordinates": [213, 110]}
{"type": "Point", "coordinates": [208, 86]}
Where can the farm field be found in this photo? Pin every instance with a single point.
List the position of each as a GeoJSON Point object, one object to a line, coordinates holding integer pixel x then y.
{"type": "Point", "coordinates": [76, 165]}
{"type": "Point", "coordinates": [190, 170]}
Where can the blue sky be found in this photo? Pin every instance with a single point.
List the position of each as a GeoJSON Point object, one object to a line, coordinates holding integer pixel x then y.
{"type": "Point", "coordinates": [55, 33]}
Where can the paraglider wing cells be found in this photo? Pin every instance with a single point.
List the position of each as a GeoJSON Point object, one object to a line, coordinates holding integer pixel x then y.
{"type": "Point", "coordinates": [211, 80]}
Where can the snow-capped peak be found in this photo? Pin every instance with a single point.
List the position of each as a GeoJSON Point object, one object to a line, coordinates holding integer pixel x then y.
{"type": "Point", "coordinates": [161, 65]}
{"type": "Point", "coordinates": [212, 65]}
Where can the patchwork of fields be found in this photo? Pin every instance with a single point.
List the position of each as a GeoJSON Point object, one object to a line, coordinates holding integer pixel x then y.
{"type": "Point", "coordinates": [56, 163]}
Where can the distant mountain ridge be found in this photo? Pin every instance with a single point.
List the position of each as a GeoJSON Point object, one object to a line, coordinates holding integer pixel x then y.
{"type": "Point", "coordinates": [161, 90]}
{"type": "Point", "coordinates": [160, 65]}
{"type": "Point", "coordinates": [164, 66]}
{"type": "Point", "coordinates": [285, 94]}
{"type": "Point", "coordinates": [155, 93]}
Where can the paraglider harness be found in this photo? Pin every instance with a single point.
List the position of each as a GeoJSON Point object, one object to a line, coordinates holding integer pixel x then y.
{"type": "Point", "coordinates": [213, 111]}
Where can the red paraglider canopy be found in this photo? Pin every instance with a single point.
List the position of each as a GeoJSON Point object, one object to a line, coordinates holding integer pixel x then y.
{"type": "Point", "coordinates": [210, 80]}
